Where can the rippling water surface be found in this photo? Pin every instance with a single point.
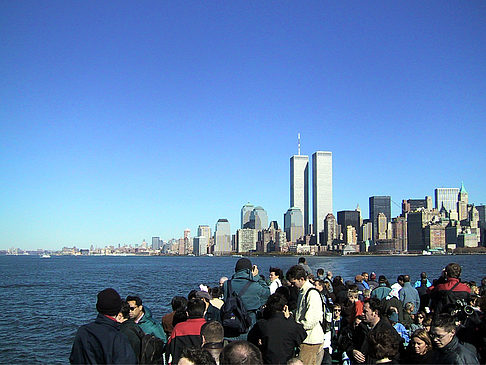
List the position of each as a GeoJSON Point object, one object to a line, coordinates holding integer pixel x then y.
{"type": "Point", "coordinates": [46, 300]}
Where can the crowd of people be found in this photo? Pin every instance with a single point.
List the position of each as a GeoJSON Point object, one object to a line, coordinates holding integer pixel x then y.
{"type": "Point", "coordinates": [296, 318]}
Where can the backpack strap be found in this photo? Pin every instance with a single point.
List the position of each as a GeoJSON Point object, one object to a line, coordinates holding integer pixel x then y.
{"type": "Point", "coordinates": [451, 289]}
{"type": "Point", "coordinates": [242, 291]}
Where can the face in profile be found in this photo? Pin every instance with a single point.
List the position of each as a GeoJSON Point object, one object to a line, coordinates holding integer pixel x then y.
{"type": "Point", "coordinates": [419, 346]}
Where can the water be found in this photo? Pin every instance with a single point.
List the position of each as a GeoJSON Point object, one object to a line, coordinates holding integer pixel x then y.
{"type": "Point", "coordinates": [46, 300]}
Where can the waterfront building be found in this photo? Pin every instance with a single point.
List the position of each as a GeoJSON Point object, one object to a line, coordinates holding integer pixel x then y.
{"type": "Point", "coordinates": [188, 244]}
{"type": "Point", "coordinates": [382, 226]}
{"type": "Point", "coordinates": [258, 219]}
{"type": "Point", "coordinates": [415, 224]}
{"type": "Point", "coordinates": [299, 187]}
{"type": "Point", "coordinates": [321, 189]}
{"type": "Point", "coordinates": [379, 204]}
{"type": "Point", "coordinates": [411, 205]}
{"type": "Point", "coordinates": [467, 239]}
{"type": "Point", "coordinates": [245, 215]}
{"type": "Point", "coordinates": [463, 200]}
{"type": "Point", "coordinates": [331, 231]}
{"type": "Point", "coordinates": [350, 235]}
{"type": "Point", "coordinates": [200, 245]}
{"type": "Point", "coordinates": [367, 230]}
{"type": "Point", "coordinates": [293, 224]}
{"type": "Point", "coordinates": [434, 236]}
{"type": "Point", "coordinates": [155, 243]}
{"type": "Point", "coordinates": [222, 237]}
{"type": "Point", "coordinates": [205, 230]}
{"type": "Point", "coordinates": [399, 234]}
{"type": "Point", "coordinates": [447, 198]}
{"type": "Point", "coordinates": [347, 218]}
{"type": "Point", "coordinates": [246, 239]}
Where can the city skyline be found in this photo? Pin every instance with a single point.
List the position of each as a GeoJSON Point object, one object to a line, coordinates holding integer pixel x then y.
{"type": "Point", "coordinates": [173, 115]}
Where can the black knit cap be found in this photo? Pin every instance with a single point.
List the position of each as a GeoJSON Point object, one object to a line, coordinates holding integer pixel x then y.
{"type": "Point", "coordinates": [243, 264]}
{"type": "Point", "coordinates": [109, 302]}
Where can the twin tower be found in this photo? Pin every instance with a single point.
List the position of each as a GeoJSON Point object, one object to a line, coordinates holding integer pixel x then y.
{"type": "Point", "coordinates": [321, 191]}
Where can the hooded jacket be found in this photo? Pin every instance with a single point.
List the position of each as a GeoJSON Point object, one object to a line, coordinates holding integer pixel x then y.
{"type": "Point", "coordinates": [150, 327]}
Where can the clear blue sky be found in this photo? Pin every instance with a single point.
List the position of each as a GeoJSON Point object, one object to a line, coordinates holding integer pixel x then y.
{"type": "Point", "coordinates": [124, 120]}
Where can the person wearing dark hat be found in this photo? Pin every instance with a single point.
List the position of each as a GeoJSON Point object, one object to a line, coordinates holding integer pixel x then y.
{"type": "Point", "coordinates": [257, 292]}
{"type": "Point", "coordinates": [101, 341]}
{"type": "Point", "coordinates": [372, 281]}
{"type": "Point", "coordinates": [212, 313]}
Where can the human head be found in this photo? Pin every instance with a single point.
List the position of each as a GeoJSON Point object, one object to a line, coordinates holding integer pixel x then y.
{"type": "Point", "coordinates": [196, 356]}
{"type": "Point", "coordinates": [124, 313]}
{"type": "Point", "coordinates": [196, 308]}
{"type": "Point", "coordinates": [442, 330]}
{"type": "Point", "coordinates": [109, 302]}
{"type": "Point", "coordinates": [329, 274]}
{"type": "Point", "coordinates": [353, 295]}
{"type": "Point", "coordinates": [420, 316]}
{"type": "Point", "coordinates": [222, 280]}
{"type": "Point", "coordinates": [275, 303]}
{"type": "Point", "coordinates": [366, 293]}
{"type": "Point", "coordinates": [136, 307]}
{"type": "Point", "coordinates": [319, 284]}
{"type": "Point", "coordinates": [420, 341]}
{"type": "Point", "coordinates": [178, 302]}
{"type": "Point", "coordinates": [423, 275]}
{"type": "Point", "coordinates": [297, 276]}
{"type": "Point", "coordinates": [400, 280]}
{"type": "Point", "coordinates": [336, 311]}
{"type": "Point", "coordinates": [358, 278]}
{"type": "Point", "coordinates": [240, 352]}
{"type": "Point", "coordinates": [320, 272]}
{"type": "Point", "coordinates": [275, 273]}
{"type": "Point", "coordinates": [212, 332]}
{"type": "Point", "coordinates": [215, 292]}
{"type": "Point", "coordinates": [301, 260]}
{"type": "Point", "coordinates": [243, 264]}
{"type": "Point", "coordinates": [383, 344]}
{"type": "Point", "coordinates": [365, 276]}
{"type": "Point", "coordinates": [406, 278]}
{"type": "Point", "coordinates": [453, 270]}
{"type": "Point", "coordinates": [372, 311]}
{"type": "Point", "coordinates": [409, 307]}
{"type": "Point", "coordinates": [373, 276]}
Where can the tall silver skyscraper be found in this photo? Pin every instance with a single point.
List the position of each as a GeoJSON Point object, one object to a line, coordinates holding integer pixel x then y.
{"type": "Point", "coordinates": [299, 186]}
{"type": "Point", "coordinates": [245, 215]}
{"type": "Point", "coordinates": [222, 237]}
{"type": "Point", "coordinates": [447, 197]}
{"type": "Point", "coordinates": [321, 189]}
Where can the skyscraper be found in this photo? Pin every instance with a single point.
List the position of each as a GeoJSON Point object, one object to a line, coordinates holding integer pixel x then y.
{"type": "Point", "coordinates": [347, 218]}
{"type": "Point", "coordinates": [222, 237]}
{"type": "Point", "coordinates": [293, 224]}
{"type": "Point", "coordinates": [258, 219]}
{"type": "Point", "coordinates": [205, 231]}
{"type": "Point", "coordinates": [299, 186]}
{"type": "Point", "coordinates": [379, 204]}
{"type": "Point", "coordinates": [321, 189]}
{"type": "Point", "coordinates": [447, 197]}
{"type": "Point", "coordinates": [245, 215]}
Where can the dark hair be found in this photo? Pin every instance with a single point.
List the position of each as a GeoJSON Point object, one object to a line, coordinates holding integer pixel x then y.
{"type": "Point", "coordinates": [178, 302]}
{"type": "Point", "coordinates": [301, 260]}
{"type": "Point", "coordinates": [212, 331]}
{"type": "Point", "coordinates": [198, 356]}
{"type": "Point", "coordinates": [406, 278]}
{"type": "Point", "coordinates": [296, 272]}
{"type": "Point", "coordinates": [215, 292]}
{"type": "Point", "coordinates": [125, 309]}
{"type": "Point", "coordinates": [275, 303]}
{"type": "Point", "coordinates": [375, 305]}
{"type": "Point", "coordinates": [283, 291]}
{"type": "Point", "coordinates": [134, 298]}
{"type": "Point", "coordinates": [453, 270]}
{"type": "Point", "coordinates": [192, 294]}
{"type": "Point", "coordinates": [277, 272]}
{"type": "Point", "coordinates": [320, 271]}
{"type": "Point", "coordinates": [444, 321]}
{"type": "Point", "coordinates": [240, 352]}
{"type": "Point", "coordinates": [196, 308]}
{"type": "Point", "coordinates": [400, 278]}
{"type": "Point", "coordinates": [384, 343]}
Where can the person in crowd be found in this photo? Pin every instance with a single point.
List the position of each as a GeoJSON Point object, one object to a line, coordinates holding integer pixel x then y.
{"type": "Point", "coordinates": [303, 263]}
{"type": "Point", "coordinates": [320, 274]}
{"type": "Point", "coordinates": [212, 313]}
{"type": "Point", "coordinates": [143, 317]}
{"type": "Point", "coordinates": [422, 290]}
{"type": "Point", "coordinates": [358, 281]}
{"type": "Point", "coordinates": [409, 294]}
{"type": "Point", "coordinates": [275, 277]}
{"type": "Point", "coordinates": [400, 328]}
{"type": "Point", "coordinates": [336, 325]}
{"type": "Point", "coordinates": [383, 289]}
{"type": "Point", "coordinates": [277, 335]}
{"type": "Point", "coordinates": [328, 279]}
{"type": "Point", "coordinates": [322, 287]}
{"type": "Point", "coordinates": [257, 292]}
{"type": "Point", "coordinates": [399, 284]}
{"type": "Point", "coordinates": [418, 322]}
{"type": "Point", "coordinates": [449, 349]}
{"type": "Point", "coordinates": [129, 328]}
{"type": "Point", "coordinates": [196, 356]}
{"type": "Point", "coordinates": [384, 346]}
{"type": "Point", "coordinates": [372, 281]}
{"type": "Point", "coordinates": [240, 352]}
{"type": "Point", "coordinates": [419, 350]}
{"type": "Point", "coordinates": [482, 288]}
{"type": "Point", "coordinates": [177, 303]}
{"type": "Point", "coordinates": [216, 294]}
{"type": "Point", "coordinates": [339, 290]}
{"type": "Point", "coordinates": [423, 281]}
{"type": "Point", "coordinates": [448, 289]}
{"type": "Point", "coordinates": [188, 333]}
{"type": "Point", "coordinates": [408, 317]}
{"type": "Point", "coordinates": [212, 336]}
{"type": "Point", "coordinates": [353, 307]}
{"type": "Point", "coordinates": [392, 301]}
{"type": "Point", "coordinates": [222, 280]}
{"type": "Point", "coordinates": [309, 313]}
{"type": "Point", "coordinates": [101, 341]}
{"type": "Point", "coordinates": [365, 276]}
{"type": "Point", "coordinates": [374, 323]}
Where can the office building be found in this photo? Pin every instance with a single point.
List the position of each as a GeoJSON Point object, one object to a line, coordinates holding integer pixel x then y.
{"type": "Point", "coordinates": [321, 189]}
{"type": "Point", "coordinates": [200, 245]}
{"type": "Point", "coordinates": [205, 230]}
{"type": "Point", "coordinates": [379, 204]}
{"type": "Point", "coordinates": [258, 219]}
{"type": "Point", "coordinates": [246, 239]}
{"type": "Point", "coordinates": [331, 231]}
{"type": "Point", "coordinates": [447, 198]}
{"type": "Point", "coordinates": [155, 243]}
{"type": "Point", "coordinates": [351, 218]}
{"type": "Point", "coordinates": [293, 224]}
{"type": "Point", "coordinates": [462, 203]}
{"type": "Point", "coordinates": [411, 205]}
{"type": "Point", "coordinates": [245, 215]}
{"type": "Point", "coordinates": [299, 186]}
{"type": "Point", "coordinates": [222, 237]}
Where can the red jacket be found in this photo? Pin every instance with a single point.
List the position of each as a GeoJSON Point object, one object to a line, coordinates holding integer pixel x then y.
{"type": "Point", "coordinates": [185, 334]}
{"type": "Point", "coordinates": [448, 292]}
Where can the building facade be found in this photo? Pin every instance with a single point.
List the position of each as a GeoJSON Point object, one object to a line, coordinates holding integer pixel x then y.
{"type": "Point", "coordinates": [379, 204]}
{"type": "Point", "coordinates": [222, 237]}
{"type": "Point", "coordinates": [321, 190]}
{"type": "Point", "coordinates": [293, 224]}
{"type": "Point", "coordinates": [299, 186]}
{"type": "Point", "coordinates": [447, 198]}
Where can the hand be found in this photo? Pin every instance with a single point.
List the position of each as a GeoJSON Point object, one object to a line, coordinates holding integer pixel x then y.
{"type": "Point", "coordinates": [358, 356]}
{"type": "Point", "coordinates": [254, 271]}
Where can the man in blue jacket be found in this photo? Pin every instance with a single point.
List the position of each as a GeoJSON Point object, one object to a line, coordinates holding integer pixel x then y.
{"type": "Point", "coordinates": [409, 294]}
{"type": "Point", "coordinates": [101, 341]}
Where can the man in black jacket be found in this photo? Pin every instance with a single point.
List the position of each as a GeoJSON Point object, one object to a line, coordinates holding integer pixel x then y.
{"type": "Point", "coordinates": [277, 335]}
{"type": "Point", "coordinates": [101, 341]}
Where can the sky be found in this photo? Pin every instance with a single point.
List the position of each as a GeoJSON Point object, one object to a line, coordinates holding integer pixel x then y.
{"type": "Point", "coordinates": [122, 120]}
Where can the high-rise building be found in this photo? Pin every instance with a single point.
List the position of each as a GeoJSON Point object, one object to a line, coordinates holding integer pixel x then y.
{"type": "Point", "coordinates": [379, 204]}
{"type": "Point", "coordinates": [411, 205]}
{"type": "Point", "coordinates": [258, 219]}
{"type": "Point", "coordinates": [382, 226]}
{"type": "Point", "coordinates": [200, 245]}
{"type": "Point", "coordinates": [245, 215]}
{"type": "Point", "coordinates": [299, 186]}
{"type": "Point", "coordinates": [222, 237]}
{"type": "Point", "coordinates": [415, 231]}
{"type": "Point", "coordinates": [462, 203]}
{"type": "Point", "coordinates": [347, 218]}
{"type": "Point", "coordinates": [331, 231]}
{"type": "Point", "coordinates": [246, 239]}
{"type": "Point", "coordinates": [321, 189]}
{"type": "Point", "coordinates": [293, 224]}
{"type": "Point", "coordinates": [205, 230]}
{"type": "Point", "coordinates": [447, 198]}
{"type": "Point", "coordinates": [155, 243]}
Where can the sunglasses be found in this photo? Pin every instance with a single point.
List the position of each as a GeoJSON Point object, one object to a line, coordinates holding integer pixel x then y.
{"type": "Point", "coordinates": [133, 308]}
{"type": "Point", "coordinates": [337, 310]}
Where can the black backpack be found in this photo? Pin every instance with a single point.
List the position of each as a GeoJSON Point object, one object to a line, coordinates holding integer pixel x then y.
{"type": "Point", "coordinates": [326, 322]}
{"type": "Point", "coordinates": [152, 350]}
{"type": "Point", "coordinates": [234, 316]}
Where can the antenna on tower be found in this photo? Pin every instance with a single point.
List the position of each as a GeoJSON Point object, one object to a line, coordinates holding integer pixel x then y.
{"type": "Point", "coordinates": [298, 145]}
